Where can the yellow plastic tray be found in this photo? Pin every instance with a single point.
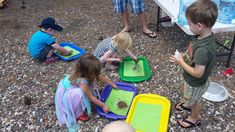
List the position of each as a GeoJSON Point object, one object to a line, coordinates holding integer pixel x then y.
{"type": "Point", "coordinates": [149, 113]}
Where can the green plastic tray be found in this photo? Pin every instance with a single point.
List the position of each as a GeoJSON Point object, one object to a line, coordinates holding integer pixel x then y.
{"type": "Point", "coordinates": [130, 72]}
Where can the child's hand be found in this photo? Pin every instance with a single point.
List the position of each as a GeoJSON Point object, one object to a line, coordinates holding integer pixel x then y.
{"type": "Point", "coordinates": [115, 86]}
{"type": "Point", "coordinates": [175, 60]}
{"type": "Point", "coordinates": [136, 60]}
{"type": "Point", "coordinates": [69, 52]}
{"type": "Point", "coordinates": [119, 59]}
{"type": "Point", "coordinates": [105, 108]}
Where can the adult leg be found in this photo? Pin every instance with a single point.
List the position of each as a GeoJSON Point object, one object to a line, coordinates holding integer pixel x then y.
{"type": "Point", "coordinates": [146, 30]}
{"type": "Point", "coordinates": [120, 6]}
{"type": "Point", "coordinates": [125, 18]}
{"type": "Point", "coordinates": [142, 17]}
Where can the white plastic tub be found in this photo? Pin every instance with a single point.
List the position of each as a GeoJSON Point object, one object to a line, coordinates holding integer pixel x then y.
{"type": "Point", "coordinates": [216, 93]}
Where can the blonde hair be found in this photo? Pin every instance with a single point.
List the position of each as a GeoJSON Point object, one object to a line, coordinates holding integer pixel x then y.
{"type": "Point", "coordinates": [88, 66]}
{"type": "Point", "coordinates": [118, 126]}
{"type": "Point", "coordinates": [122, 40]}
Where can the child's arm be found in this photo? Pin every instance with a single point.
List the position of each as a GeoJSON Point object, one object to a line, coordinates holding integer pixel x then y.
{"type": "Point", "coordinates": [107, 57]}
{"type": "Point", "coordinates": [131, 55]}
{"type": "Point", "coordinates": [61, 49]}
{"type": "Point", "coordinates": [196, 71]}
{"type": "Point", "coordinates": [107, 81]}
{"type": "Point", "coordinates": [92, 98]}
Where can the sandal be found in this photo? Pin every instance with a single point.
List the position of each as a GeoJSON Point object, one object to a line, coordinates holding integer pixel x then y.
{"type": "Point", "coordinates": [51, 60]}
{"type": "Point", "coordinates": [227, 72]}
{"type": "Point", "coordinates": [151, 34]}
{"type": "Point", "coordinates": [182, 107]}
{"type": "Point", "coordinates": [83, 117]}
{"type": "Point", "coordinates": [190, 123]}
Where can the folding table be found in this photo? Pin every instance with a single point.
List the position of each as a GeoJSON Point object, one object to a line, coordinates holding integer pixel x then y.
{"type": "Point", "coordinates": [171, 8]}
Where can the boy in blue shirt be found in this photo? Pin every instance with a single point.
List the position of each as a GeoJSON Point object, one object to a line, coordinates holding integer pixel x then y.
{"type": "Point", "coordinates": [42, 43]}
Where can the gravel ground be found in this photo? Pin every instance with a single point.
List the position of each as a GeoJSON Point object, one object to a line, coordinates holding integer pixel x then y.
{"type": "Point", "coordinates": [27, 87]}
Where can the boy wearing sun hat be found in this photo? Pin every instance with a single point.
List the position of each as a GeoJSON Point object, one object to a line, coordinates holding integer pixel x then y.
{"type": "Point", "coordinates": [42, 43]}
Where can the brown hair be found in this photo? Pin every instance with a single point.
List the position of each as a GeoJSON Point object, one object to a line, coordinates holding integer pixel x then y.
{"type": "Point", "coordinates": [122, 40]}
{"type": "Point", "coordinates": [202, 11]}
{"type": "Point", "coordinates": [88, 66]}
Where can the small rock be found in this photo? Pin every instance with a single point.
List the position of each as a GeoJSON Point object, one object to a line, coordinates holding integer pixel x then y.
{"type": "Point", "coordinates": [27, 100]}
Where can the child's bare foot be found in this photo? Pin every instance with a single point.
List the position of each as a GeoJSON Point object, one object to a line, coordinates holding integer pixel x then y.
{"type": "Point", "coordinates": [110, 67]}
{"type": "Point", "coordinates": [126, 29]}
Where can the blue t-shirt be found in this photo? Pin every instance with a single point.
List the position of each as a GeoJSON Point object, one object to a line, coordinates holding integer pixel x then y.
{"type": "Point", "coordinates": [38, 42]}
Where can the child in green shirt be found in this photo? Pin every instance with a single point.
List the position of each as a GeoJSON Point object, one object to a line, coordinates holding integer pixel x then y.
{"type": "Point", "coordinates": [201, 16]}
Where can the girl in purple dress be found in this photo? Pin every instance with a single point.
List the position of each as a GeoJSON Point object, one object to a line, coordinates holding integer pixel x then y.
{"type": "Point", "coordinates": [74, 92]}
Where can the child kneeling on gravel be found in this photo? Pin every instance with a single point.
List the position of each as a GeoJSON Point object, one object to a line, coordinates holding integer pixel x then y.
{"type": "Point", "coordinates": [106, 50]}
{"type": "Point", "coordinates": [42, 43]}
{"type": "Point", "coordinates": [74, 92]}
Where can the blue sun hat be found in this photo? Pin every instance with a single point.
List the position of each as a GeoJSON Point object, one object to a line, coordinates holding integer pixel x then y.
{"type": "Point", "coordinates": [51, 23]}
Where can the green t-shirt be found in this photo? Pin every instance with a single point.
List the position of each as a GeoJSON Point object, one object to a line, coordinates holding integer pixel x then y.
{"type": "Point", "coordinates": [204, 53]}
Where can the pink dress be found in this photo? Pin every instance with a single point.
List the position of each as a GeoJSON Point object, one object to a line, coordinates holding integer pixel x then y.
{"type": "Point", "coordinates": [70, 103]}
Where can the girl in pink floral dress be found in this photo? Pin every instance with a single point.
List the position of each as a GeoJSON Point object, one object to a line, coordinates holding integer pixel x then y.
{"type": "Point", "coordinates": [74, 93]}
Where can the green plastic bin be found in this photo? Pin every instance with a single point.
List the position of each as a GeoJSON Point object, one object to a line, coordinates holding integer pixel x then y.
{"type": "Point", "coordinates": [131, 72]}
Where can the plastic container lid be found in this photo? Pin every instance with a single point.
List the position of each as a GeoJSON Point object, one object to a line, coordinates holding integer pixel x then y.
{"type": "Point", "coordinates": [216, 93]}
